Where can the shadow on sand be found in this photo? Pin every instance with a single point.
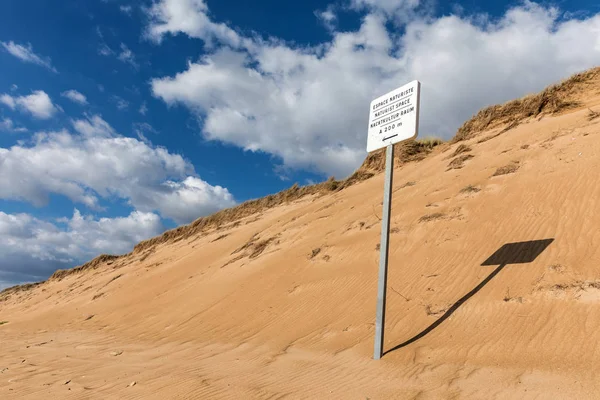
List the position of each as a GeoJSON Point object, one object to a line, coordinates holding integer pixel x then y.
{"type": "Point", "coordinates": [510, 253]}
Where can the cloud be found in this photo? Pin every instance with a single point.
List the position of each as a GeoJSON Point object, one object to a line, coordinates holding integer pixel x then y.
{"type": "Point", "coordinates": [389, 7]}
{"type": "Point", "coordinates": [94, 127]}
{"type": "Point", "coordinates": [126, 9]}
{"type": "Point", "coordinates": [141, 129]}
{"type": "Point", "coordinates": [121, 103]}
{"type": "Point", "coordinates": [75, 96]}
{"type": "Point", "coordinates": [144, 127]}
{"type": "Point", "coordinates": [327, 17]}
{"type": "Point", "coordinates": [312, 112]}
{"type": "Point", "coordinates": [143, 108]}
{"type": "Point", "coordinates": [8, 100]}
{"type": "Point", "coordinates": [188, 17]}
{"type": "Point", "coordinates": [104, 50]}
{"type": "Point", "coordinates": [127, 56]}
{"type": "Point", "coordinates": [8, 125]}
{"type": "Point", "coordinates": [183, 200]}
{"type": "Point", "coordinates": [38, 104]}
{"type": "Point", "coordinates": [32, 248]}
{"type": "Point", "coordinates": [99, 163]}
{"type": "Point", "coordinates": [26, 54]}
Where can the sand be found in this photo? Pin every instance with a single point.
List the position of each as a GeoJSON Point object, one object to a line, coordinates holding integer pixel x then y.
{"type": "Point", "coordinates": [282, 305]}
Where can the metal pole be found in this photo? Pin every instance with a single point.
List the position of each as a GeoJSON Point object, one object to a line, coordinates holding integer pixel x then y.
{"type": "Point", "coordinates": [383, 252]}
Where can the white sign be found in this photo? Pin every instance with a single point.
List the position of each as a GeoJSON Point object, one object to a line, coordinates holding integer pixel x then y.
{"type": "Point", "coordinates": [394, 117]}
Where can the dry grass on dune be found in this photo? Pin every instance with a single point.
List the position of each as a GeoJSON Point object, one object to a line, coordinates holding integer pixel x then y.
{"type": "Point", "coordinates": [459, 161]}
{"type": "Point", "coordinates": [507, 169]}
{"type": "Point", "coordinates": [470, 189]}
{"type": "Point", "coordinates": [61, 274]}
{"type": "Point", "coordinates": [462, 148]}
{"type": "Point", "coordinates": [6, 293]}
{"type": "Point", "coordinates": [412, 150]}
{"type": "Point", "coordinates": [551, 100]}
{"type": "Point", "coordinates": [103, 258]}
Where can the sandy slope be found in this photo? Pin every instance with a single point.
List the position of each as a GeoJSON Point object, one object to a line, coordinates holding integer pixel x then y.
{"type": "Point", "coordinates": [196, 319]}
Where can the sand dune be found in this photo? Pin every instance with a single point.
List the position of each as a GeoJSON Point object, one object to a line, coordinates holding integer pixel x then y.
{"type": "Point", "coordinates": [281, 303]}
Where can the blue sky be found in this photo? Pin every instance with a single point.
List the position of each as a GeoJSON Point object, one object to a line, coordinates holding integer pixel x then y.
{"type": "Point", "coordinates": [120, 119]}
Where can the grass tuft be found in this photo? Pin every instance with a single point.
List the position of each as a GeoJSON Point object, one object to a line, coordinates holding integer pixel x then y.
{"type": "Point", "coordinates": [592, 115]}
{"type": "Point", "coordinates": [459, 161]}
{"type": "Point", "coordinates": [432, 217]}
{"type": "Point", "coordinates": [314, 253]}
{"type": "Point", "coordinates": [470, 189]}
{"type": "Point", "coordinates": [507, 169]}
{"type": "Point", "coordinates": [462, 148]}
{"type": "Point", "coordinates": [409, 151]}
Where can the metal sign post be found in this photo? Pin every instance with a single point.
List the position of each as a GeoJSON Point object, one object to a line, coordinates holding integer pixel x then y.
{"type": "Point", "coordinates": [393, 118]}
{"type": "Point", "coordinates": [383, 251]}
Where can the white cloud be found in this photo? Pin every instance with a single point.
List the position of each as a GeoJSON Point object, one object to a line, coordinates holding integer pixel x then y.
{"type": "Point", "coordinates": [38, 104]}
{"type": "Point", "coordinates": [127, 56]}
{"type": "Point", "coordinates": [141, 129]}
{"type": "Point", "coordinates": [104, 50]}
{"type": "Point", "coordinates": [121, 103]}
{"type": "Point", "coordinates": [327, 17]}
{"type": "Point", "coordinates": [32, 248]}
{"type": "Point", "coordinates": [143, 138]}
{"type": "Point", "coordinates": [389, 7]}
{"type": "Point", "coordinates": [189, 17]}
{"type": "Point", "coordinates": [308, 105]}
{"type": "Point", "coordinates": [75, 96]}
{"type": "Point", "coordinates": [126, 9]}
{"type": "Point", "coordinates": [94, 126]}
{"type": "Point", "coordinates": [26, 54]}
{"type": "Point", "coordinates": [99, 163]}
{"type": "Point", "coordinates": [8, 100]}
{"type": "Point", "coordinates": [182, 200]}
{"type": "Point", "coordinates": [143, 108]}
{"type": "Point", "coordinates": [8, 125]}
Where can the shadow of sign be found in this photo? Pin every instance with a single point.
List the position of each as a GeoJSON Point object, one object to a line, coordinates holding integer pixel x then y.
{"type": "Point", "coordinates": [518, 253]}
{"type": "Point", "coordinates": [510, 253]}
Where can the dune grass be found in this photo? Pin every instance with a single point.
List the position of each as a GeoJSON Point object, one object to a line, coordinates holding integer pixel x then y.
{"type": "Point", "coordinates": [552, 100]}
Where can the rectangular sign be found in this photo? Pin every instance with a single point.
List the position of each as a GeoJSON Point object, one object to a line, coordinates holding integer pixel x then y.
{"type": "Point", "coordinates": [394, 117]}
